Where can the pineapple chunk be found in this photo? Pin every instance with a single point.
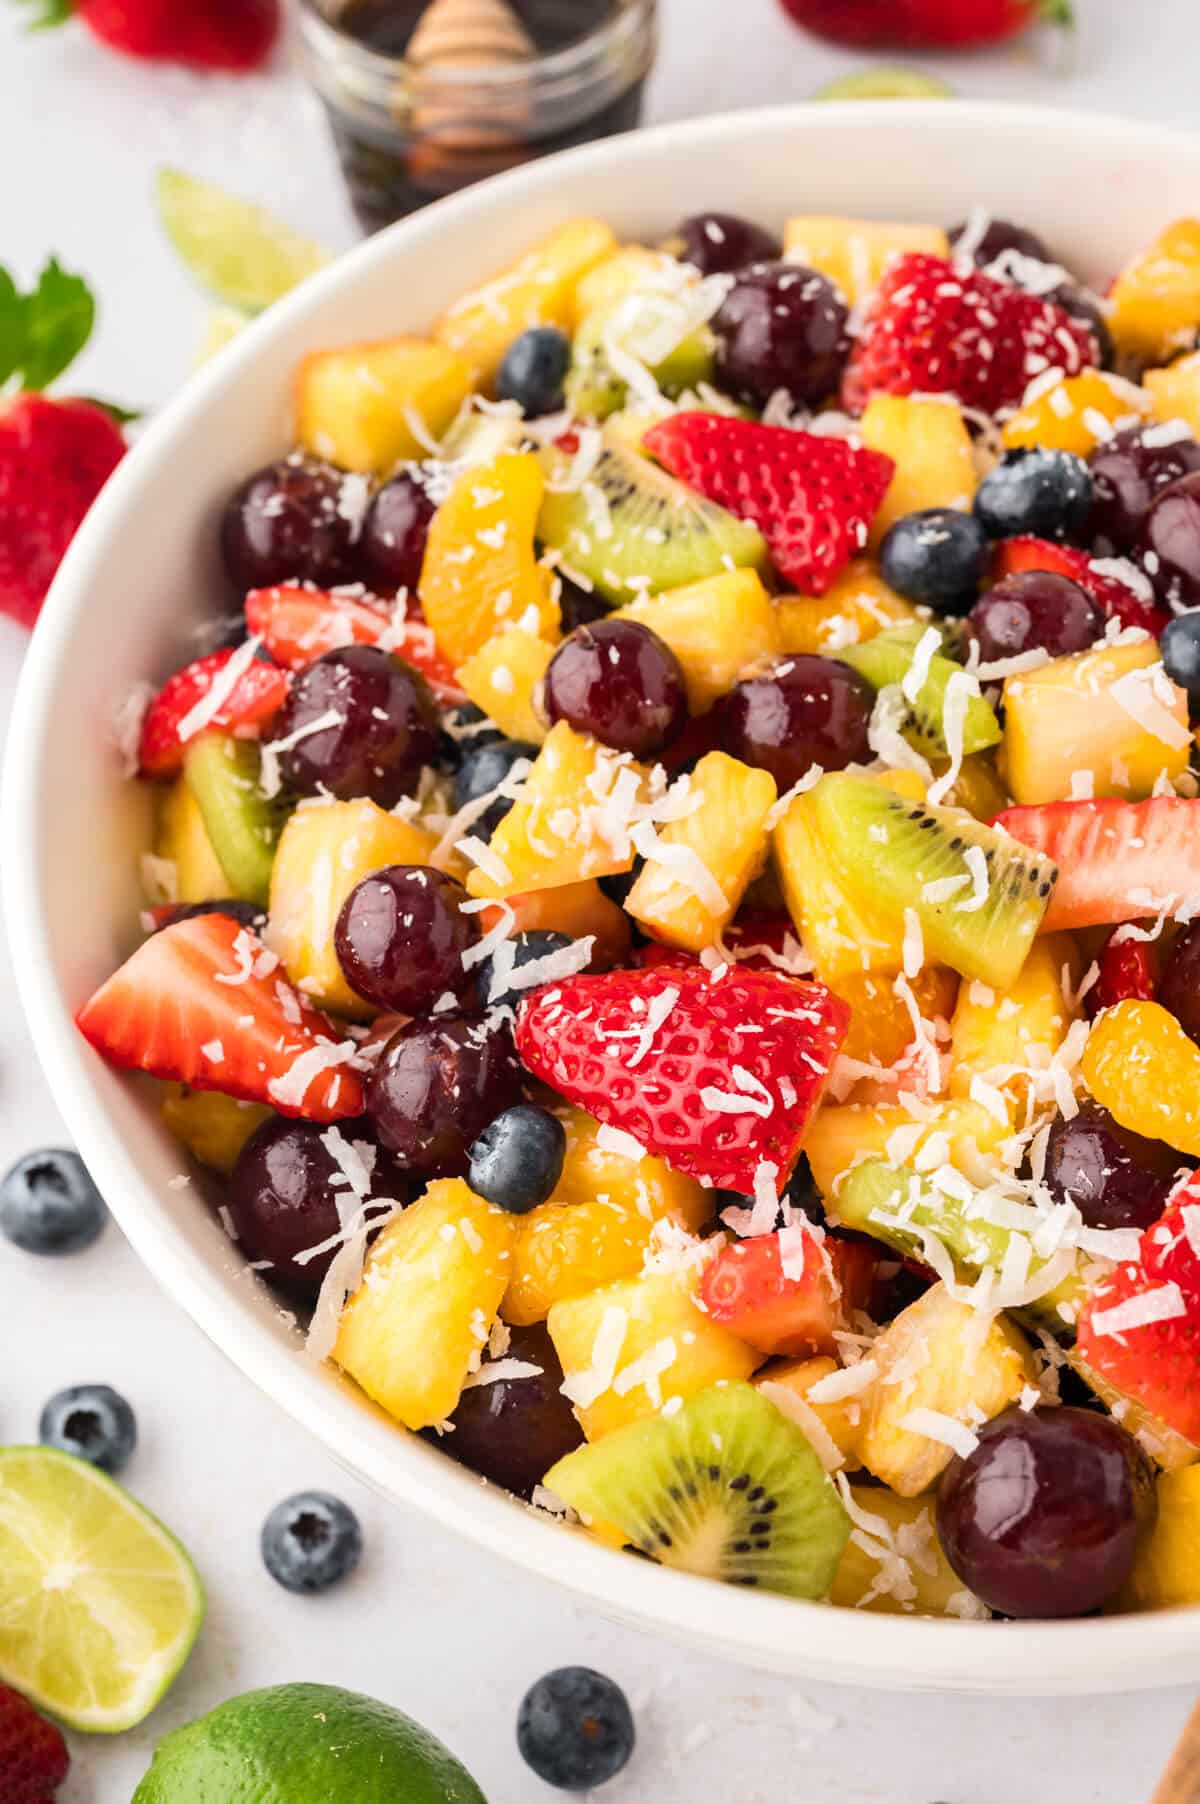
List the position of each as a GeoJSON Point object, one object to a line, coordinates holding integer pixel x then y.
{"type": "Point", "coordinates": [1154, 304]}
{"type": "Point", "coordinates": [355, 407]}
{"type": "Point", "coordinates": [421, 1317]}
{"type": "Point", "coordinates": [715, 627]}
{"type": "Point", "coordinates": [927, 439]}
{"type": "Point", "coordinates": [558, 832]}
{"type": "Point", "coordinates": [503, 679]}
{"type": "Point", "coordinates": [213, 1127]}
{"type": "Point", "coordinates": [831, 1427]}
{"type": "Point", "coordinates": [1166, 1572]}
{"type": "Point", "coordinates": [853, 253]}
{"type": "Point", "coordinates": [1175, 391]}
{"type": "Point", "coordinates": [182, 841]}
{"type": "Point", "coordinates": [1072, 415]}
{"type": "Point", "coordinates": [840, 1134]}
{"type": "Point", "coordinates": [857, 606]}
{"type": "Point", "coordinates": [990, 1032]}
{"type": "Point", "coordinates": [539, 289]}
{"type": "Point", "coordinates": [630, 267]}
{"type": "Point", "coordinates": [1084, 714]}
{"type": "Point", "coordinates": [727, 835]}
{"type": "Point", "coordinates": [327, 848]}
{"type": "Point", "coordinates": [480, 573]}
{"type": "Point", "coordinates": [628, 1349]}
{"type": "Point", "coordinates": [841, 935]}
{"type": "Point", "coordinates": [894, 1562]}
{"type": "Point", "coordinates": [966, 1367]}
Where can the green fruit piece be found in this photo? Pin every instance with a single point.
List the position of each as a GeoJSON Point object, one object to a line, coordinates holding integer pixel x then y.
{"type": "Point", "coordinates": [886, 83]}
{"type": "Point", "coordinates": [887, 658]}
{"type": "Point", "coordinates": [222, 326]}
{"type": "Point", "coordinates": [99, 1605]}
{"type": "Point", "coordinates": [679, 1488]}
{"type": "Point", "coordinates": [224, 775]}
{"type": "Point", "coordinates": [904, 855]}
{"type": "Point", "coordinates": [632, 529]}
{"type": "Point", "coordinates": [243, 256]}
{"type": "Point", "coordinates": [475, 438]}
{"type": "Point", "coordinates": [653, 327]}
{"type": "Point", "coordinates": [305, 1744]}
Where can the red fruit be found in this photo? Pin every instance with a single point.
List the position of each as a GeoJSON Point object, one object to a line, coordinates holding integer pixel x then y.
{"type": "Point", "coordinates": [55, 457]}
{"type": "Point", "coordinates": [1128, 973]}
{"type": "Point", "coordinates": [204, 1002]}
{"type": "Point", "coordinates": [813, 499]}
{"type": "Point", "coordinates": [33, 1754]}
{"type": "Point", "coordinates": [718, 1078]}
{"type": "Point", "coordinates": [204, 34]}
{"type": "Point", "coordinates": [1115, 598]}
{"type": "Point", "coordinates": [923, 24]}
{"type": "Point", "coordinates": [1117, 861]}
{"type": "Point", "coordinates": [788, 1292]}
{"type": "Point", "coordinates": [935, 329]}
{"type": "Point", "coordinates": [251, 693]}
{"type": "Point", "coordinates": [296, 625]}
{"type": "Point", "coordinates": [757, 940]}
{"type": "Point", "coordinates": [1170, 1251]}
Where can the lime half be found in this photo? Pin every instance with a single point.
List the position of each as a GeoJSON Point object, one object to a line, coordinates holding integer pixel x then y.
{"type": "Point", "coordinates": [99, 1605]}
{"type": "Point", "coordinates": [220, 329]}
{"type": "Point", "coordinates": [885, 83]}
{"type": "Point", "coordinates": [239, 252]}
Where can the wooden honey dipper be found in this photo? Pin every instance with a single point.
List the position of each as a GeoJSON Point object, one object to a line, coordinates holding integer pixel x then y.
{"type": "Point", "coordinates": [1180, 1784]}
{"type": "Point", "coordinates": [456, 136]}
{"type": "Point", "coordinates": [468, 35]}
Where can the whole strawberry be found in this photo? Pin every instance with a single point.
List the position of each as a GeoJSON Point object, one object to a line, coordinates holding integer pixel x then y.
{"type": "Point", "coordinates": [33, 1754]}
{"type": "Point", "coordinates": [924, 24]}
{"type": "Point", "coordinates": [204, 34]}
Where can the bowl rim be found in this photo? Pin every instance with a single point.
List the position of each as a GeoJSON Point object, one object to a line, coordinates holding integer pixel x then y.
{"type": "Point", "coordinates": [759, 1630]}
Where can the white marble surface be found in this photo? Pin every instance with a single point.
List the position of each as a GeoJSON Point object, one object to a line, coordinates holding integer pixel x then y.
{"type": "Point", "coordinates": [427, 1622]}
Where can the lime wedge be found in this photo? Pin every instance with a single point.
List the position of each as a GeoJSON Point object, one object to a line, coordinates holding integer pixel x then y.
{"type": "Point", "coordinates": [886, 83]}
{"type": "Point", "coordinates": [220, 329]}
{"type": "Point", "coordinates": [237, 251]}
{"type": "Point", "coordinates": [99, 1605]}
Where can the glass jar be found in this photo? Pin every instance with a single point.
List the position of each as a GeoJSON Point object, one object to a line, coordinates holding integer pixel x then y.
{"type": "Point", "coordinates": [424, 99]}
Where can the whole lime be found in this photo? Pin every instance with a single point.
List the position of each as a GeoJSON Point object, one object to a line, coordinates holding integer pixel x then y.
{"type": "Point", "coordinates": [305, 1744]}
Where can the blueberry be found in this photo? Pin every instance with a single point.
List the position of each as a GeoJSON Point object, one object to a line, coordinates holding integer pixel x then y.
{"type": "Point", "coordinates": [93, 1422]}
{"type": "Point", "coordinates": [1180, 647]}
{"type": "Point", "coordinates": [466, 729]}
{"type": "Point", "coordinates": [49, 1204]}
{"type": "Point", "coordinates": [1046, 493]}
{"type": "Point", "coordinates": [481, 770]}
{"type": "Point", "coordinates": [533, 369]}
{"type": "Point", "coordinates": [801, 1193]}
{"type": "Point", "coordinates": [518, 1159]}
{"type": "Point", "coordinates": [497, 973]}
{"type": "Point", "coordinates": [936, 556]}
{"type": "Point", "coordinates": [575, 1728]}
{"type": "Point", "coordinates": [310, 1541]}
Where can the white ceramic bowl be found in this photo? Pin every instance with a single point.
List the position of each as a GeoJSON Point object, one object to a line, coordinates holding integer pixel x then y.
{"type": "Point", "coordinates": [144, 568]}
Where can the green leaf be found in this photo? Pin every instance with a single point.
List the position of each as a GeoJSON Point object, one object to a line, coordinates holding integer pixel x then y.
{"type": "Point", "coordinates": [59, 316]}
{"type": "Point", "coordinates": [49, 13]}
{"type": "Point", "coordinates": [120, 416]}
{"type": "Point", "coordinates": [12, 327]}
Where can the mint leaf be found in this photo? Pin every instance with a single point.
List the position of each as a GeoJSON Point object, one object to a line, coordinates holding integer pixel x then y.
{"type": "Point", "coordinates": [58, 320]}
{"type": "Point", "coordinates": [49, 13]}
{"type": "Point", "coordinates": [12, 327]}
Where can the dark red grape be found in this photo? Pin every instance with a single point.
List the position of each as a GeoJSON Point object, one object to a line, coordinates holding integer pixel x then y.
{"type": "Point", "coordinates": [513, 1430]}
{"type": "Point", "coordinates": [385, 731]}
{"type": "Point", "coordinates": [619, 682]}
{"type": "Point", "coordinates": [283, 1198]}
{"type": "Point", "coordinates": [1127, 474]}
{"type": "Point", "coordinates": [717, 242]}
{"type": "Point", "coordinates": [781, 326]}
{"type": "Point", "coordinates": [999, 236]}
{"type": "Point", "coordinates": [1115, 1178]}
{"type": "Point", "coordinates": [1170, 541]}
{"type": "Point", "coordinates": [286, 524]}
{"type": "Point", "coordinates": [801, 711]}
{"type": "Point", "coordinates": [392, 547]}
{"type": "Point", "coordinates": [1045, 1516]}
{"type": "Point", "coordinates": [401, 935]}
{"type": "Point", "coordinates": [1034, 610]}
{"type": "Point", "coordinates": [1179, 985]}
{"type": "Point", "coordinates": [437, 1085]}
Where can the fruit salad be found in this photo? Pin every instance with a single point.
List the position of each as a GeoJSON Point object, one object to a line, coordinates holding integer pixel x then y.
{"type": "Point", "coordinates": [669, 940]}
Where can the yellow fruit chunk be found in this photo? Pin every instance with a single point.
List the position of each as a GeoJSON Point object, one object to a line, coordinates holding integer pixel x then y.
{"type": "Point", "coordinates": [369, 406]}
{"type": "Point", "coordinates": [1175, 391]}
{"type": "Point", "coordinates": [1024, 1027]}
{"type": "Point", "coordinates": [593, 1172]}
{"type": "Point", "coordinates": [831, 1427]}
{"type": "Point", "coordinates": [579, 910]}
{"type": "Point", "coordinates": [1154, 304]}
{"type": "Point", "coordinates": [715, 627]}
{"type": "Point", "coordinates": [841, 935]}
{"type": "Point", "coordinates": [1110, 714]}
{"type": "Point", "coordinates": [1141, 1066]}
{"type": "Point", "coordinates": [325, 850]}
{"type": "Point", "coordinates": [214, 1128]}
{"type": "Point", "coordinates": [419, 1320]}
{"type": "Point", "coordinates": [977, 787]}
{"type": "Point", "coordinates": [927, 439]}
{"type": "Point", "coordinates": [894, 1562]}
{"type": "Point", "coordinates": [537, 290]}
{"type": "Point", "coordinates": [941, 1356]}
{"type": "Point", "coordinates": [840, 1134]}
{"type": "Point", "coordinates": [1166, 1572]}
{"type": "Point", "coordinates": [628, 1349]}
{"type": "Point", "coordinates": [182, 841]}
{"type": "Point", "coordinates": [853, 253]}
{"type": "Point", "coordinates": [1076, 414]}
{"type": "Point", "coordinates": [560, 830]}
{"type": "Point", "coordinates": [503, 678]}
{"type": "Point", "coordinates": [857, 606]}
{"type": "Point", "coordinates": [881, 1027]}
{"type": "Point", "coordinates": [481, 573]}
{"type": "Point", "coordinates": [609, 281]}
{"type": "Point", "coordinates": [726, 837]}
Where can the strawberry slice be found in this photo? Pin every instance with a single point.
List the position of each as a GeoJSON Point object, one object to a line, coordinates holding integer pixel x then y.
{"type": "Point", "coordinates": [248, 693]}
{"type": "Point", "coordinates": [1117, 861]}
{"type": "Point", "coordinates": [1128, 973]}
{"type": "Point", "coordinates": [718, 1077]}
{"type": "Point", "coordinates": [297, 624]}
{"type": "Point", "coordinates": [1170, 1250]}
{"type": "Point", "coordinates": [204, 1002]}
{"type": "Point", "coordinates": [812, 498]}
{"type": "Point", "coordinates": [791, 1291]}
{"type": "Point", "coordinates": [1117, 599]}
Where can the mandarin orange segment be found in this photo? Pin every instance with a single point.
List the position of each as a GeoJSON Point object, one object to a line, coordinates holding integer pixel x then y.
{"type": "Point", "coordinates": [858, 605]}
{"type": "Point", "coordinates": [1141, 1066]}
{"type": "Point", "coordinates": [1076, 414]}
{"type": "Point", "coordinates": [1154, 304]}
{"type": "Point", "coordinates": [881, 1026]}
{"type": "Point", "coordinates": [1175, 391]}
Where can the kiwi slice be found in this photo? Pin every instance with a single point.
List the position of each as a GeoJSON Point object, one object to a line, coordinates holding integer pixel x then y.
{"type": "Point", "coordinates": [902, 855]}
{"type": "Point", "coordinates": [632, 529]}
{"type": "Point", "coordinates": [727, 1487]}
{"type": "Point", "coordinates": [887, 658]}
{"type": "Point", "coordinates": [243, 824]}
{"type": "Point", "coordinates": [652, 327]}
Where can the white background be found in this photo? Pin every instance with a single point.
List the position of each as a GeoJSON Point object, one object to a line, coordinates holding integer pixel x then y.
{"type": "Point", "coordinates": [427, 1623]}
